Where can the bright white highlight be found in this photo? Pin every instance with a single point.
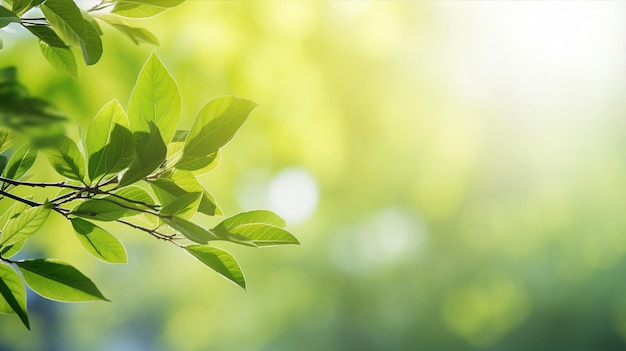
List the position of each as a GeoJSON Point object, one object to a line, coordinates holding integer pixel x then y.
{"type": "Point", "coordinates": [293, 194]}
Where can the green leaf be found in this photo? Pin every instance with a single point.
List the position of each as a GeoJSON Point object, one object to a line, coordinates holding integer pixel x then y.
{"type": "Point", "coordinates": [216, 124]}
{"type": "Point", "coordinates": [256, 216]}
{"type": "Point", "coordinates": [47, 35]}
{"type": "Point", "coordinates": [58, 280]}
{"type": "Point", "coordinates": [98, 242]}
{"type": "Point", "coordinates": [109, 142]}
{"type": "Point", "coordinates": [199, 165]}
{"type": "Point", "coordinates": [208, 205]}
{"type": "Point", "coordinates": [12, 212]}
{"type": "Point", "coordinates": [142, 9]}
{"type": "Point", "coordinates": [99, 210]}
{"type": "Point", "coordinates": [191, 230]}
{"type": "Point", "coordinates": [220, 261]}
{"type": "Point", "coordinates": [15, 210]}
{"type": "Point", "coordinates": [66, 18]}
{"type": "Point", "coordinates": [7, 17]}
{"type": "Point", "coordinates": [64, 156]}
{"type": "Point", "coordinates": [20, 162]}
{"type": "Point", "coordinates": [92, 21]}
{"type": "Point", "coordinates": [13, 294]}
{"type": "Point", "coordinates": [150, 152]}
{"type": "Point", "coordinates": [20, 6]}
{"type": "Point", "coordinates": [265, 235]}
{"type": "Point", "coordinates": [62, 59]}
{"type": "Point", "coordinates": [182, 204]}
{"type": "Point", "coordinates": [155, 99]}
{"type": "Point", "coordinates": [133, 197]}
{"type": "Point", "coordinates": [174, 185]}
{"type": "Point", "coordinates": [22, 227]}
{"type": "Point", "coordinates": [6, 139]}
{"type": "Point", "coordinates": [137, 35]}
{"type": "Point", "coordinates": [3, 163]}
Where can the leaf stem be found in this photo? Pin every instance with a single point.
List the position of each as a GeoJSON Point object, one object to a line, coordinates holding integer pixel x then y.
{"type": "Point", "coordinates": [41, 184]}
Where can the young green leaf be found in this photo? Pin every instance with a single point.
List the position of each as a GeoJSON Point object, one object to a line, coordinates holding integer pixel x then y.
{"type": "Point", "coordinates": [100, 210]}
{"type": "Point", "coordinates": [20, 162]}
{"type": "Point", "coordinates": [62, 59]}
{"type": "Point", "coordinates": [174, 184]}
{"type": "Point", "coordinates": [58, 280]}
{"type": "Point", "coordinates": [142, 9]}
{"type": "Point", "coordinates": [199, 165]}
{"type": "Point", "coordinates": [220, 261]}
{"type": "Point", "coordinates": [109, 142]}
{"type": "Point", "coordinates": [155, 99]}
{"type": "Point", "coordinates": [66, 18]}
{"type": "Point", "coordinates": [15, 210]}
{"type": "Point", "coordinates": [191, 230]}
{"type": "Point", "coordinates": [216, 124]}
{"type": "Point", "coordinates": [256, 216]}
{"type": "Point", "coordinates": [98, 242]}
{"type": "Point", "coordinates": [7, 17]}
{"type": "Point", "coordinates": [64, 156]}
{"type": "Point", "coordinates": [47, 35]}
{"type": "Point", "coordinates": [6, 139]}
{"type": "Point", "coordinates": [265, 235]}
{"type": "Point", "coordinates": [182, 205]}
{"type": "Point", "coordinates": [208, 205]}
{"type": "Point", "coordinates": [13, 294]}
{"type": "Point", "coordinates": [137, 35]}
{"type": "Point", "coordinates": [19, 229]}
{"type": "Point", "coordinates": [150, 153]}
{"type": "Point", "coordinates": [12, 212]}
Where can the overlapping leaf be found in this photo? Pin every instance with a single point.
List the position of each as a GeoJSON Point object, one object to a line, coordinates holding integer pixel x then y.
{"type": "Point", "coordinates": [64, 156]}
{"type": "Point", "coordinates": [109, 142]}
{"type": "Point", "coordinates": [66, 18]}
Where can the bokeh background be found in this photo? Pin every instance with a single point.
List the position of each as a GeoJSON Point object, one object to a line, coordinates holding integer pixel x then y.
{"type": "Point", "coordinates": [454, 170]}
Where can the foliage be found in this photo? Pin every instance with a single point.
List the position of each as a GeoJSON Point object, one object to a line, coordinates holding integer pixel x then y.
{"type": "Point", "coordinates": [64, 25]}
{"type": "Point", "coordinates": [133, 167]}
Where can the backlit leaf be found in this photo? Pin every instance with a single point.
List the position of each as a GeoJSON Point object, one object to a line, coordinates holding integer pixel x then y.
{"type": "Point", "coordinates": [60, 58]}
{"type": "Point", "coordinates": [150, 152]}
{"type": "Point", "coordinates": [155, 99]}
{"type": "Point", "coordinates": [13, 294]}
{"type": "Point", "coordinates": [216, 124]}
{"type": "Point", "coordinates": [100, 210]}
{"type": "Point", "coordinates": [64, 156]}
{"type": "Point", "coordinates": [18, 229]}
{"type": "Point", "coordinates": [220, 261]}
{"type": "Point", "coordinates": [20, 162]}
{"type": "Point", "coordinates": [66, 18]}
{"type": "Point", "coordinates": [98, 242]}
{"type": "Point", "coordinates": [109, 142]}
{"type": "Point", "coordinates": [58, 280]}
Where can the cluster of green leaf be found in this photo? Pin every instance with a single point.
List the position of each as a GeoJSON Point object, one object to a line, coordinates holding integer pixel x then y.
{"type": "Point", "coordinates": [137, 168]}
{"type": "Point", "coordinates": [61, 24]}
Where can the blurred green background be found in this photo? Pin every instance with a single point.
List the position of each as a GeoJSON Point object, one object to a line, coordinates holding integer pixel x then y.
{"type": "Point", "coordinates": [454, 170]}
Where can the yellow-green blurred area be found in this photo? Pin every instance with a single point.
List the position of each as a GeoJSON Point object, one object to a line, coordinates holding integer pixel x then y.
{"type": "Point", "coordinates": [454, 170]}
